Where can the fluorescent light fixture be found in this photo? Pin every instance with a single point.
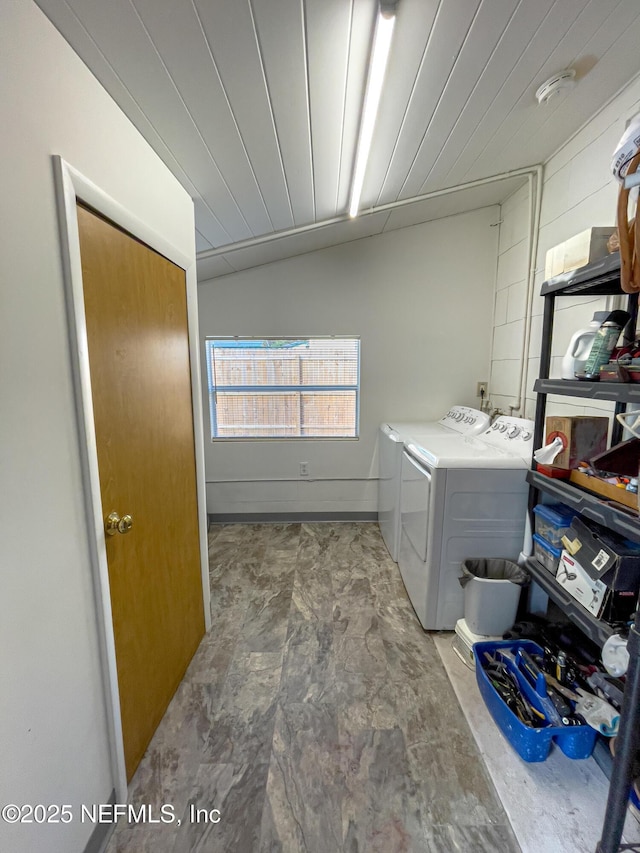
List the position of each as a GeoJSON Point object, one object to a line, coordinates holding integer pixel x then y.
{"type": "Point", "coordinates": [377, 68]}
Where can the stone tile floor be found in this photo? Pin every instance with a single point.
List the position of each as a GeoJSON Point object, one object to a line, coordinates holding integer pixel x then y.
{"type": "Point", "coordinates": [316, 715]}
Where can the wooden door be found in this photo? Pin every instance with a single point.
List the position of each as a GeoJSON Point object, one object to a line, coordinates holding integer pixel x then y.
{"type": "Point", "coordinates": [136, 314]}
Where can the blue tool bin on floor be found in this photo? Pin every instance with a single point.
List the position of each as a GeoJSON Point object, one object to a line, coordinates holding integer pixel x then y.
{"type": "Point", "coordinates": [531, 744]}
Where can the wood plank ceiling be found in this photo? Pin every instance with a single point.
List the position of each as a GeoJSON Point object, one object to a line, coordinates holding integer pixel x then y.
{"type": "Point", "coordinates": [255, 104]}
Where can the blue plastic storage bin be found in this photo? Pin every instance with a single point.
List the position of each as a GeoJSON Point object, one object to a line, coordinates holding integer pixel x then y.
{"type": "Point", "coordinates": [553, 521]}
{"type": "Point", "coordinates": [546, 553]}
{"type": "Point", "coordinates": [530, 744]}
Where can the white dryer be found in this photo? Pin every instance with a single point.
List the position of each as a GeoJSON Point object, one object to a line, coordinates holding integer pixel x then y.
{"type": "Point", "coordinates": [459, 420]}
{"type": "Point", "coordinates": [460, 497]}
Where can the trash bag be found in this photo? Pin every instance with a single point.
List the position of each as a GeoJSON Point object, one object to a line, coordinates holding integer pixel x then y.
{"type": "Point", "coordinates": [495, 569]}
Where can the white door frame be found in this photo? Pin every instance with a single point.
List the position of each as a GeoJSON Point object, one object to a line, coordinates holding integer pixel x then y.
{"type": "Point", "coordinates": [72, 187]}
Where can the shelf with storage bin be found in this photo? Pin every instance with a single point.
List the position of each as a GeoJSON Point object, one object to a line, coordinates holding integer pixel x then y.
{"type": "Point", "coordinates": [616, 392]}
{"type": "Point", "coordinates": [597, 631]}
{"type": "Point", "coordinates": [600, 278]}
{"type": "Point", "coordinates": [607, 514]}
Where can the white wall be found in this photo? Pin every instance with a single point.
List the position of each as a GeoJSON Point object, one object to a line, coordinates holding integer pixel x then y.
{"type": "Point", "coordinates": [52, 714]}
{"type": "Point", "coordinates": [421, 300]}
{"type": "Point", "coordinates": [510, 300]}
{"type": "Point", "coordinates": [579, 191]}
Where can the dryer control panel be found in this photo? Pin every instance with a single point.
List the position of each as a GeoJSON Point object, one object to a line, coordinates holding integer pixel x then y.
{"type": "Point", "coordinates": [513, 434]}
{"type": "Point", "coordinates": [466, 420]}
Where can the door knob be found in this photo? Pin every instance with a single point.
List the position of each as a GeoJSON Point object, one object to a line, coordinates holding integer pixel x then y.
{"type": "Point", "coordinates": [114, 524]}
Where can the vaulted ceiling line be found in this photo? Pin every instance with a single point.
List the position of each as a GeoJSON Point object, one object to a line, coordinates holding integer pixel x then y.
{"type": "Point", "coordinates": [272, 116]}
{"type": "Point", "coordinates": [229, 248]}
{"type": "Point", "coordinates": [450, 74]}
{"type": "Point", "coordinates": [207, 148]}
{"type": "Point", "coordinates": [498, 93]}
{"type": "Point", "coordinates": [225, 95]}
{"type": "Point", "coordinates": [471, 94]}
{"type": "Point", "coordinates": [410, 100]}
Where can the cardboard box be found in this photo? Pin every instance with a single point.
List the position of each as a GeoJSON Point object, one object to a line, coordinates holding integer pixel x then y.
{"type": "Point", "coordinates": [577, 251]}
{"type": "Point", "coordinates": [582, 437]}
{"type": "Point", "coordinates": [603, 603]}
{"type": "Point", "coordinates": [619, 605]}
{"type": "Point", "coordinates": [574, 579]}
{"type": "Point", "coordinates": [605, 556]}
{"type": "Point", "coordinates": [554, 261]}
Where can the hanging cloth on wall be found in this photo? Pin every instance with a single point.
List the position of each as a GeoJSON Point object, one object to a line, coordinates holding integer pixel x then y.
{"type": "Point", "coordinates": [626, 160]}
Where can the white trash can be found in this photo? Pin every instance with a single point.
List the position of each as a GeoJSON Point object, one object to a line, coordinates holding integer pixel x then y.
{"type": "Point", "coordinates": [492, 590]}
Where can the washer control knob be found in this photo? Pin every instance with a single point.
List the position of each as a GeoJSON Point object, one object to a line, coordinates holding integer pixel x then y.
{"type": "Point", "coordinates": [525, 435]}
{"type": "Point", "coordinates": [513, 432]}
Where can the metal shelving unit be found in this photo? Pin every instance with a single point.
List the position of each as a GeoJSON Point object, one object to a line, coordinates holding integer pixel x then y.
{"type": "Point", "coordinates": [617, 392]}
{"type": "Point", "coordinates": [606, 513]}
{"type": "Point", "coordinates": [601, 278]}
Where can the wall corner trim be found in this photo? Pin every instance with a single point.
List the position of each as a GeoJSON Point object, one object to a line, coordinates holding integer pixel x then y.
{"type": "Point", "coordinates": [102, 832]}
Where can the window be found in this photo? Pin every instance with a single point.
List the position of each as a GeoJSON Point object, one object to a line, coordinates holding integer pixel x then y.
{"type": "Point", "coordinates": [288, 387]}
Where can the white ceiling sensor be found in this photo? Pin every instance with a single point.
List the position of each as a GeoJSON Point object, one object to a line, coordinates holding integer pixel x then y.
{"type": "Point", "coordinates": [560, 82]}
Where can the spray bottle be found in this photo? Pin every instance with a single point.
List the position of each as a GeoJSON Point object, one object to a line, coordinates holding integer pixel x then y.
{"type": "Point", "coordinates": [603, 344]}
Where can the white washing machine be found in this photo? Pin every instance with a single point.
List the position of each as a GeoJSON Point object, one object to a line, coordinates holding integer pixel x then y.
{"type": "Point", "coordinates": [460, 497]}
{"type": "Point", "coordinates": [459, 420]}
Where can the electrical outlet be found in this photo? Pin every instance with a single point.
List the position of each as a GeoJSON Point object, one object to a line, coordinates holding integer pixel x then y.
{"type": "Point", "coordinates": [304, 469]}
{"type": "Point", "coordinates": [481, 389]}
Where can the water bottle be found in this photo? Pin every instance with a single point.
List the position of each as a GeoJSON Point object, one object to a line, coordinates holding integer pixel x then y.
{"type": "Point", "coordinates": [579, 347]}
{"type": "Point", "coordinates": [603, 343]}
